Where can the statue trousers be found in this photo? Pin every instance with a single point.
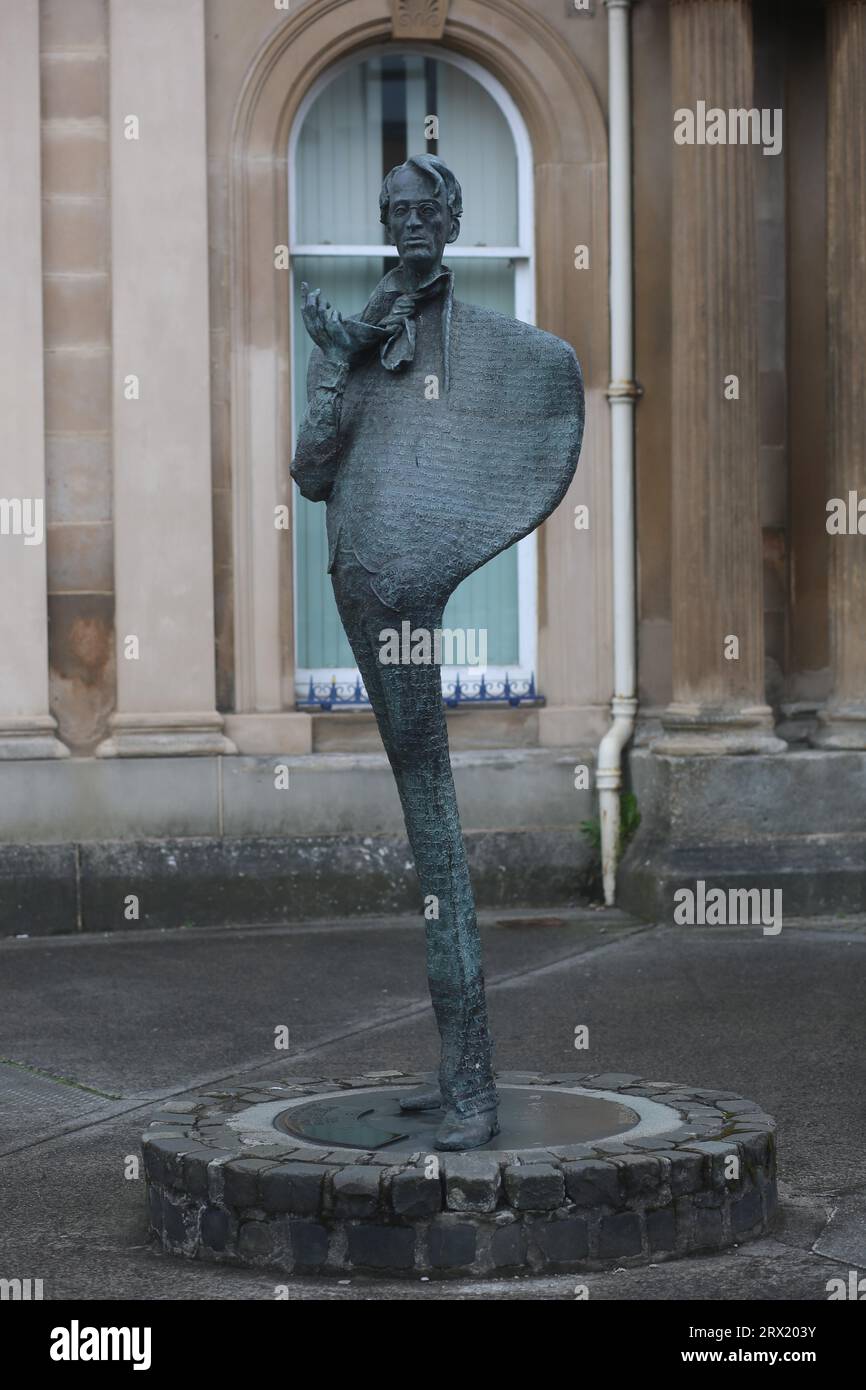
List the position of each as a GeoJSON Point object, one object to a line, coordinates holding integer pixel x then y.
{"type": "Point", "coordinates": [407, 703]}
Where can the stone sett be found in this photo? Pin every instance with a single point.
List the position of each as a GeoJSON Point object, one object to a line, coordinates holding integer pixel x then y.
{"type": "Point", "coordinates": [661, 1230]}
{"type": "Point", "coordinates": [175, 1225]}
{"type": "Point", "coordinates": [686, 1171]}
{"type": "Point", "coordinates": [356, 1191]}
{"type": "Point", "coordinates": [641, 1176]}
{"type": "Point", "coordinates": [708, 1227]}
{"type": "Point", "coordinates": [452, 1244]}
{"type": "Point", "coordinates": [195, 1165]}
{"type": "Point", "coordinates": [746, 1212]}
{"type": "Point", "coordinates": [472, 1182]}
{"type": "Point", "coordinates": [414, 1195]}
{"type": "Point", "coordinates": [381, 1247]}
{"type": "Point", "coordinates": [168, 1168]}
{"type": "Point", "coordinates": [619, 1236]}
{"type": "Point", "coordinates": [155, 1208]}
{"type": "Point", "coordinates": [591, 1182]}
{"type": "Point", "coordinates": [613, 1081]}
{"type": "Point", "coordinates": [215, 1226]}
{"type": "Point", "coordinates": [716, 1153]}
{"type": "Point", "coordinates": [309, 1242]}
{"type": "Point", "coordinates": [241, 1181]}
{"type": "Point", "coordinates": [561, 1240]}
{"type": "Point", "coordinates": [534, 1186]}
{"type": "Point", "coordinates": [508, 1246]}
{"type": "Point", "coordinates": [255, 1241]}
{"type": "Point", "coordinates": [294, 1188]}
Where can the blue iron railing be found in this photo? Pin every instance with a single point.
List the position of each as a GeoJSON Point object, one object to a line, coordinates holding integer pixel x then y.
{"type": "Point", "coordinates": [481, 692]}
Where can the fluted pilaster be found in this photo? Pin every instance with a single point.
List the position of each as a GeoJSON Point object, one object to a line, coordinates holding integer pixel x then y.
{"type": "Point", "coordinates": [843, 719]}
{"type": "Point", "coordinates": [718, 641]}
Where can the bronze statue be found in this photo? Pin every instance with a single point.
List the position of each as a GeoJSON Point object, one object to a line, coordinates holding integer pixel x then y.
{"type": "Point", "coordinates": [438, 433]}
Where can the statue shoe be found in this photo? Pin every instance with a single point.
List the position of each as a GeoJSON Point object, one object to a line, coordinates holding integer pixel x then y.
{"type": "Point", "coordinates": [466, 1131]}
{"type": "Point", "coordinates": [426, 1098]}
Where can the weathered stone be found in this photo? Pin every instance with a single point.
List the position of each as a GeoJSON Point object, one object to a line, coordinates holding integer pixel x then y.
{"type": "Point", "coordinates": [241, 1182]}
{"type": "Point", "coordinates": [175, 1226]}
{"type": "Point", "coordinates": [661, 1230]}
{"type": "Point", "coordinates": [472, 1182]}
{"type": "Point", "coordinates": [619, 1235]}
{"type": "Point", "coordinates": [309, 1244]}
{"type": "Point", "coordinates": [685, 1218]}
{"type": "Point", "coordinates": [746, 1212]}
{"type": "Point", "coordinates": [641, 1176]}
{"type": "Point", "coordinates": [414, 1195]}
{"type": "Point", "coordinates": [754, 1146]}
{"type": "Point", "coordinates": [356, 1191]}
{"type": "Point", "coordinates": [591, 1182]}
{"type": "Point", "coordinates": [534, 1186]}
{"type": "Point", "coordinates": [155, 1208]}
{"type": "Point", "coordinates": [381, 1247]}
{"type": "Point", "coordinates": [613, 1080]}
{"type": "Point", "coordinates": [739, 1107]}
{"type": "Point", "coordinates": [254, 1240]}
{"type": "Point", "coordinates": [293, 1187]}
{"type": "Point", "coordinates": [562, 1240]}
{"type": "Point", "coordinates": [716, 1154]}
{"type": "Point", "coordinates": [215, 1226]}
{"type": "Point", "coordinates": [452, 1245]}
{"type": "Point", "coordinates": [508, 1246]}
{"type": "Point", "coordinates": [166, 1160]}
{"type": "Point", "coordinates": [153, 1159]}
{"type": "Point", "coordinates": [686, 1171]}
{"type": "Point", "coordinates": [195, 1164]}
{"type": "Point", "coordinates": [708, 1227]}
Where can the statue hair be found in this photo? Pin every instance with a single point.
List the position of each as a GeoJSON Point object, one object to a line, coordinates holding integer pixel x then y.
{"type": "Point", "coordinates": [435, 169]}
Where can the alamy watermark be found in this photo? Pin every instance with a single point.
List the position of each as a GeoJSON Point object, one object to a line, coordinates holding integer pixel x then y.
{"type": "Point", "coordinates": [20, 1290]}
{"type": "Point", "coordinates": [738, 126]}
{"type": "Point", "coordinates": [732, 907]}
{"type": "Point", "coordinates": [423, 646]}
{"type": "Point", "coordinates": [77, 1343]}
{"type": "Point", "coordinates": [23, 516]}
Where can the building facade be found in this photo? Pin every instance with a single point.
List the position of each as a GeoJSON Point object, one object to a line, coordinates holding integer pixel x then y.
{"type": "Point", "coordinates": [180, 723]}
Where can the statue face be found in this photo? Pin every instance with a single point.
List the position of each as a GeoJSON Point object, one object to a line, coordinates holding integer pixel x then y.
{"type": "Point", "coordinates": [419, 220]}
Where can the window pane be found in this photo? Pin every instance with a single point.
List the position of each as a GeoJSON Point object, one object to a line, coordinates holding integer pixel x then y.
{"type": "Point", "coordinates": [346, 282]}
{"type": "Point", "coordinates": [368, 118]}
{"type": "Point", "coordinates": [339, 161]}
{"type": "Point", "coordinates": [342, 149]}
{"type": "Point", "coordinates": [476, 142]}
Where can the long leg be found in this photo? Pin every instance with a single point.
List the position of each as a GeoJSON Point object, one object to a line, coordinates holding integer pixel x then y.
{"type": "Point", "coordinates": [407, 702]}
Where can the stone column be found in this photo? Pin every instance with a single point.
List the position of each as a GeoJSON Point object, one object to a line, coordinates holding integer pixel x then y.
{"type": "Point", "coordinates": [162, 457]}
{"type": "Point", "coordinates": [842, 721]}
{"type": "Point", "coordinates": [26, 727]}
{"type": "Point", "coordinates": [718, 701]}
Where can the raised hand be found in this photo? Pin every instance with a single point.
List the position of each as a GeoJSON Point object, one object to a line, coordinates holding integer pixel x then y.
{"type": "Point", "coordinates": [325, 326]}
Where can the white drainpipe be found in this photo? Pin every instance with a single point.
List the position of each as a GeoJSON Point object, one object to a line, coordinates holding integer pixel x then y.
{"type": "Point", "coordinates": [622, 394]}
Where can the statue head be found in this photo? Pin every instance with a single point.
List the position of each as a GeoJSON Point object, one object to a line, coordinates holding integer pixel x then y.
{"type": "Point", "coordinates": [421, 205]}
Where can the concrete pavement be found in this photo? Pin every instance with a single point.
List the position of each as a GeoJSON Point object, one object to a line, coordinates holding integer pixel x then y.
{"type": "Point", "coordinates": [94, 1030]}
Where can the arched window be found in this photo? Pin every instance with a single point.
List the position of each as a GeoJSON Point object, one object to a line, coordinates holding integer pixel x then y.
{"type": "Point", "coordinates": [364, 116]}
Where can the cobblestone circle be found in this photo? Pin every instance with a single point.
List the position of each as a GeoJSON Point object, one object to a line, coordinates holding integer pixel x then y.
{"type": "Point", "coordinates": [219, 1192]}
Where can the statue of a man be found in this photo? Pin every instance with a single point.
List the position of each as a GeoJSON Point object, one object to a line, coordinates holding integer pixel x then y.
{"type": "Point", "coordinates": [438, 433]}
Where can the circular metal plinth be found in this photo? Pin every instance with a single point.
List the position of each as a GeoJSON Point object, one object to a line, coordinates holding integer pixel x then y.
{"type": "Point", "coordinates": [528, 1117]}
{"type": "Point", "coordinates": [327, 1177]}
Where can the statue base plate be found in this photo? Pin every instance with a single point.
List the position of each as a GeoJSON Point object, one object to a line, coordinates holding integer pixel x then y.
{"type": "Point", "coordinates": [330, 1176]}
